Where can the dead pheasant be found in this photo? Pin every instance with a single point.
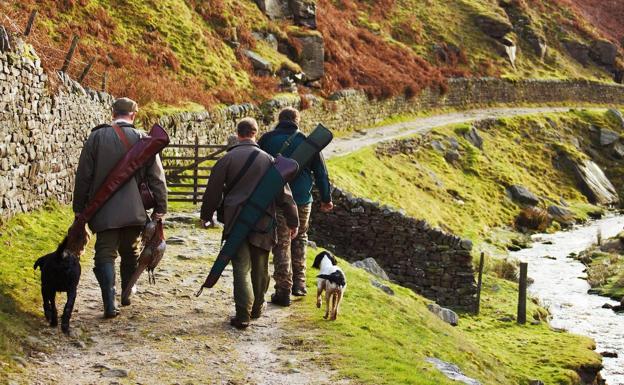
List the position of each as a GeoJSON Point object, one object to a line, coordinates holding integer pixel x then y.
{"type": "Point", "coordinates": [153, 241]}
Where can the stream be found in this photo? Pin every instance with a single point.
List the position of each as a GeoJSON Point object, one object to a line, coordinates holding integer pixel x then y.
{"type": "Point", "coordinates": [560, 287]}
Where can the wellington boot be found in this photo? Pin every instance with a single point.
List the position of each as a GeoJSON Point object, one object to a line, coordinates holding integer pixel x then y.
{"type": "Point", "coordinates": [105, 274]}
{"type": "Point", "coordinates": [126, 271]}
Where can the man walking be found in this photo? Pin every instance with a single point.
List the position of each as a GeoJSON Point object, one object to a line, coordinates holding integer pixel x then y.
{"type": "Point", "coordinates": [232, 181]}
{"type": "Point", "coordinates": [119, 222]}
{"type": "Point", "coordinates": [289, 257]}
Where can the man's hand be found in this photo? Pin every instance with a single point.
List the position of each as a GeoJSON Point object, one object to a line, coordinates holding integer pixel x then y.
{"type": "Point", "coordinates": [327, 207]}
{"type": "Point", "coordinates": [207, 224]}
{"type": "Point", "coordinates": [157, 216]}
{"type": "Point", "coordinates": [293, 232]}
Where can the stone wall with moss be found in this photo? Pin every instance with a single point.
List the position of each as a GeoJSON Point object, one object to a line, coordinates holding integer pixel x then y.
{"type": "Point", "coordinates": [42, 131]}
{"type": "Point", "coordinates": [349, 109]}
{"type": "Point", "coordinates": [434, 263]}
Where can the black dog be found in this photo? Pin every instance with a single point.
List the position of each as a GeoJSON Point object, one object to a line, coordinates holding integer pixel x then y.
{"type": "Point", "coordinates": [60, 272]}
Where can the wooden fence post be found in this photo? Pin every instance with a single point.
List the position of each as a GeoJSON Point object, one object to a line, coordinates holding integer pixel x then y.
{"type": "Point", "coordinates": [31, 21]}
{"type": "Point", "coordinates": [479, 283]}
{"type": "Point", "coordinates": [522, 293]}
{"type": "Point", "coordinates": [195, 176]}
{"type": "Point", "coordinates": [86, 70]}
{"type": "Point", "coordinates": [70, 54]}
{"type": "Point", "coordinates": [104, 81]}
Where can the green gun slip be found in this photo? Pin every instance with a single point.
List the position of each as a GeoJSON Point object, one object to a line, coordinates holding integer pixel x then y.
{"type": "Point", "coordinates": [271, 184]}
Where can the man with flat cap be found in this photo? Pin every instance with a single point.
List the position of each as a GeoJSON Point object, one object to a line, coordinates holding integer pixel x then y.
{"type": "Point", "coordinates": [119, 222]}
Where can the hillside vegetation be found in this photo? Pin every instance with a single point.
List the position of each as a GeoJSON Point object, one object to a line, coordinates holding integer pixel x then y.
{"type": "Point", "coordinates": [173, 52]}
{"type": "Point", "coordinates": [445, 179]}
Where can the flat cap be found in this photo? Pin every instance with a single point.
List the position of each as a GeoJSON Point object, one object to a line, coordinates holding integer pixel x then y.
{"type": "Point", "coordinates": [124, 106]}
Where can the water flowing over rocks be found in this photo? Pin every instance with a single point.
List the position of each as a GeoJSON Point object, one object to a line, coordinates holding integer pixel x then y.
{"type": "Point", "coordinates": [574, 309]}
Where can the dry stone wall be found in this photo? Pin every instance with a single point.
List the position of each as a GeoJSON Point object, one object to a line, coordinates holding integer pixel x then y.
{"type": "Point", "coordinates": [433, 263]}
{"type": "Point", "coordinates": [349, 109]}
{"type": "Point", "coordinates": [42, 133]}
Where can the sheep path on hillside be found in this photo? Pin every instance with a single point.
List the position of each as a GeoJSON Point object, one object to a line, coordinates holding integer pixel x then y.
{"type": "Point", "coordinates": [168, 336]}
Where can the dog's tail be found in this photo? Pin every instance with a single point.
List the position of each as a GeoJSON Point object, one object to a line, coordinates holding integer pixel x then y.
{"type": "Point", "coordinates": [337, 277]}
{"type": "Point", "coordinates": [39, 262]}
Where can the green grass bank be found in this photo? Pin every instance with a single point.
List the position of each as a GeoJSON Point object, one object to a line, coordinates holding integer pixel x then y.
{"type": "Point", "coordinates": [385, 339]}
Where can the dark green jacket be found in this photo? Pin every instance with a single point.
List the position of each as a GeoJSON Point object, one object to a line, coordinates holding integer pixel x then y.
{"type": "Point", "coordinates": [315, 172]}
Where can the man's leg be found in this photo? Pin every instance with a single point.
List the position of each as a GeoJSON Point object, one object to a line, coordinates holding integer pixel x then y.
{"type": "Point", "coordinates": [281, 262]}
{"type": "Point", "coordinates": [298, 251]}
{"type": "Point", "coordinates": [243, 291]}
{"type": "Point", "coordinates": [129, 250]}
{"type": "Point", "coordinates": [106, 246]}
{"type": "Point", "coordinates": [259, 278]}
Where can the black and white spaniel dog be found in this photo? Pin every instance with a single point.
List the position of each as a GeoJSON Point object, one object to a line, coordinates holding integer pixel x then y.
{"type": "Point", "coordinates": [332, 280]}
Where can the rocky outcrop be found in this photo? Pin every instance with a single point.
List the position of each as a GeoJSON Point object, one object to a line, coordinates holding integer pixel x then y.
{"type": "Point", "coordinates": [608, 137]}
{"type": "Point", "coordinates": [562, 215]}
{"type": "Point", "coordinates": [579, 51]}
{"type": "Point", "coordinates": [311, 56]}
{"type": "Point", "coordinates": [524, 26]}
{"type": "Point", "coordinates": [522, 196]}
{"type": "Point", "coordinates": [370, 265]}
{"type": "Point", "coordinates": [617, 115]}
{"type": "Point", "coordinates": [261, 65]}
{"type": "Point", "coordinates": [474, 138]}
{"type": "Point", "coordinates": [493, 26]}
{"type": "Point", "coordinates": [446, 315]}
{"type": "Point", "coordinates": [303, 12]}
{"type": "Point", "coordinates": [594, 183]}
{"type": "Point", "coordinates": [604, 52]}
{"type": "Point", "coordinates": [275, 9]}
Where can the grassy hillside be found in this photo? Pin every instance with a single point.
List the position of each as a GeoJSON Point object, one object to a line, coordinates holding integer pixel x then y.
{"type": "Point", "coordinates": [177, 51]}
{"type": "Point", "coordinates": [382, 339]}
{"type": "Point", "coordinates": [468, 196]}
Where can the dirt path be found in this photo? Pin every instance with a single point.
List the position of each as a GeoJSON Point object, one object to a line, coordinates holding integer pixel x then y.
{"type": "Point", "coordinates": [168, 336]}
{"type": "Point", "coordinates": [343, 146]}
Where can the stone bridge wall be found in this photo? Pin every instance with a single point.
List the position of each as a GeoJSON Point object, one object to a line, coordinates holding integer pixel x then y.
{"type": "Point", "coordinates": [433, 263]}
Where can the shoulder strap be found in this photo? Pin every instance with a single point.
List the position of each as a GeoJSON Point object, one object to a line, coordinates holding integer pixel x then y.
{"type": "Point", "coordinates": [242, 171]}
{"type": "Point", "coordinates": [287, 142]}
{"type": "Point", "coordinates": [122, 136]}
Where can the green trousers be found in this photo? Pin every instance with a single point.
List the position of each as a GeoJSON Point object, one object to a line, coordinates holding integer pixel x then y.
{"type": "Point", "coordinates": [125, 242]}
{"type": "Point", "coordinates": [251, 279]}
